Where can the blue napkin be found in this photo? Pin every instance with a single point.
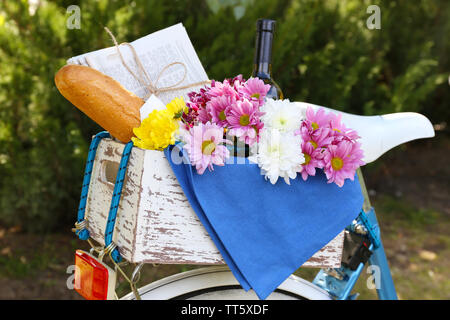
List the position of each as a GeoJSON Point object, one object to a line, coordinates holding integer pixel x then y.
{"type": "Point", "coordinates": [266, 232]}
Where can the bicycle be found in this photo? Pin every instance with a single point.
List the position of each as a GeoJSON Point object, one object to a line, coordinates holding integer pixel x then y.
{"type": "Point", "coordinates": [378, 135]}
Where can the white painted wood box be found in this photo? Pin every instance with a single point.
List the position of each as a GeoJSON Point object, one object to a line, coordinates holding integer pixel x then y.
{"type": "Point", "coordinates": [155, 223]}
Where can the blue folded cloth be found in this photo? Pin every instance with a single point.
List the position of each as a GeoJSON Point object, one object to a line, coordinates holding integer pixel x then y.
{"type": "Point", "coordinates": [266, 232]}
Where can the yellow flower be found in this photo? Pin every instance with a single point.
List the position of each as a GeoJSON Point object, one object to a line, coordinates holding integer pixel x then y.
{"type": "Point", "coordinates": [157, 131]}
{"type": "Point", "coordinates": [177, 106]}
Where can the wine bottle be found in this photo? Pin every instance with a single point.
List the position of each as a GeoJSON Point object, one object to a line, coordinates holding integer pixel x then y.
{"type": "Point", "coordinates": [262, 67]}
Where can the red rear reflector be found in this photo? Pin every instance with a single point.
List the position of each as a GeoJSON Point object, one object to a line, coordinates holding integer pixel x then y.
{"type": "Point", "coordinates": [93, 279]}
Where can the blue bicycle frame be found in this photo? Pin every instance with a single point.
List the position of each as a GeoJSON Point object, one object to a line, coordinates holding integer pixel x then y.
{"type": "Point", "coordinates": [339, 282]}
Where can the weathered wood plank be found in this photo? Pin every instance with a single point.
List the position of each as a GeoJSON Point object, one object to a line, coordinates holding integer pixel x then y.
{"type": "Point", "coordinates": [155, 223]}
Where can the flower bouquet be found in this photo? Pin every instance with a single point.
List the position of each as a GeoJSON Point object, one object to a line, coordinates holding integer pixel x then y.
{"type": "Point", "coordinates": [284, 139]}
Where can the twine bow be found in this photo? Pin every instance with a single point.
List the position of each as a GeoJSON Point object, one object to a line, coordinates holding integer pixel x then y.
{"type": "Point", "coordinates": [144, 78]}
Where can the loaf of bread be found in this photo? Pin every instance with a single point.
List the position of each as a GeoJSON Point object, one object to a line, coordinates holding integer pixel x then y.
{"type": "Point", "coordinates": [101, 98]}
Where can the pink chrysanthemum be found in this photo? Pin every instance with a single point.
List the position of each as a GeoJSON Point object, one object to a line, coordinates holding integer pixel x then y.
{"type": "Point", "coordinates": [339, 130]}
{"type": "Point", "coordinates": [222, 89]}
{"type": "Point", "coordinates": [205, 146]}
{"type": "Point", "coordinates": [317, 120]}
{"type": "Point", "coordinates": [217, 108]}
{"type": "Point", "coordinates": [236, 82]}
{"type": "Point", "coordinates": [357, 154]}
{"type": "Point", "coordinates": [340, 163]}
{"type": "Point", "coordinates": [203, 115]}
{"type": "Point", "coordinates": [244, 121]}
{"type": "Point", "coordinates": [255, 90]}
{"type": "Point", "coordinates": [318, 138]}
{"type": "Point", "coordinates": [329, 144]}
{"type": "Point", "coordinates": [313, 160]}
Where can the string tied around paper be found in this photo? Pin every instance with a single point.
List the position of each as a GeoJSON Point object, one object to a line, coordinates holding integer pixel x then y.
{"type": "Point", "coordinates": [144, 78]}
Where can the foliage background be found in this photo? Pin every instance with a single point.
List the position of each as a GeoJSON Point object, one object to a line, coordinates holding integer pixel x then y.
{"type": "Point", "coordinates": [323, 53]}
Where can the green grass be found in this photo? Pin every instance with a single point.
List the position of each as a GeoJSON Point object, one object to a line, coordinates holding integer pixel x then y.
{"type": "Point", "coordinates": [406, 231]}
{"type": "Point", "coordinates": [404, 214]}
{"type": "Point", "coordinates": [20, 266]}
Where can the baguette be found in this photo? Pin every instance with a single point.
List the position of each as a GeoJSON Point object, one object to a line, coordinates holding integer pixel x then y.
{"type": "Point", "coordinates": [101, 98]}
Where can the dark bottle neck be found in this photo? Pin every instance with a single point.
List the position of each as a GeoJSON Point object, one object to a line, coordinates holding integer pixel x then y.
{"type": "Point", "coordinates": [263, 55]}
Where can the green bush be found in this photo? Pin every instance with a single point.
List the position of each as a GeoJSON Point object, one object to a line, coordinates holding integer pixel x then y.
{"type": "Point", "coordinates": [323, 53]}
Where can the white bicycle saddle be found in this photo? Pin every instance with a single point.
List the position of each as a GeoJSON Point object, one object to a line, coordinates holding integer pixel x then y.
{"type": "Point", "coordinates": [382, 133]}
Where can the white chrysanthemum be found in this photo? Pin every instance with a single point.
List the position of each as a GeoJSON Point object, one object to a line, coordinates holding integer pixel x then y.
{"type": "Point", "coordinates": [278, 154]}
{"type": "Point", "coordinates": [282, 115]}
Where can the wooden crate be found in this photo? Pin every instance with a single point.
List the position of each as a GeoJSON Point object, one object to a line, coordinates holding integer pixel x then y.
{"type": "Point", "coordinates": [155, 223]}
